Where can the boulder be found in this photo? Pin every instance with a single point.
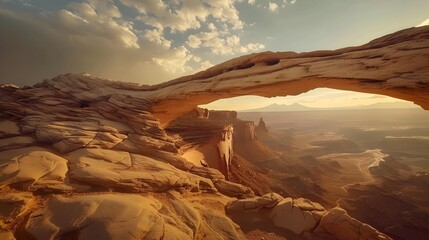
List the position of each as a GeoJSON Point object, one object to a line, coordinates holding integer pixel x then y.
{"type": "Point", "coordinates": [338, 224]}
{"type": "Point", "coordinates": [288, 215]}
{"type": "Point", "coordinates": [268, 200]}
{"type": "Point", "coordinates": [233, 189]}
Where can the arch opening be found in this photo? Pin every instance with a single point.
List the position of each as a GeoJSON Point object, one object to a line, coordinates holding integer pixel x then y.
{"type": "Point", "coordinates": [167, 108]}
{"type": "Point", "coordinates": [316, 99]}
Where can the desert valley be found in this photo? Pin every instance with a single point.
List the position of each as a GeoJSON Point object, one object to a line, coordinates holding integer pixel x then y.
{"type": "Point", "coordinates": [372, 163]}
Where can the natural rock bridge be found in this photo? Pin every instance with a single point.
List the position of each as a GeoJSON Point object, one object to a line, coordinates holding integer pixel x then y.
{"type": "Point", "coordinates": [395, 65]}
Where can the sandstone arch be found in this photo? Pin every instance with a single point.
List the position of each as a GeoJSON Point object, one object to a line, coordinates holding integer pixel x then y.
{"type": "Point", "coordinates": [101, 135]}
{"type": "Point", "coordinates": [395, 65]}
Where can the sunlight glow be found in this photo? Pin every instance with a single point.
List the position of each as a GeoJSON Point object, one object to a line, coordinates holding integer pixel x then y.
{"type": "Point", "coordinates": [317, 98]}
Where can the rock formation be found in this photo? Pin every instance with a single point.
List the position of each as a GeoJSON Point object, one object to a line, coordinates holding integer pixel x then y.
{"type": "Point", "coordinates": [262, 127]}
{"type": "Point", "coordinates": [303, 217]}
{"type": "Point", "coordinates": [205, 141]}
{"type": "Point", "coordinates": [223, 115]}
{"type": "Point", "coordinates": [209, 141]}
{"type": "Point", "coordinates": [83, 157]}
{"type": "Point", "coordinates": [244, 131]}
{"type": "Point", "coordinates": [61, 156]}
{"type": "Point", "coordinates": [395, 65]}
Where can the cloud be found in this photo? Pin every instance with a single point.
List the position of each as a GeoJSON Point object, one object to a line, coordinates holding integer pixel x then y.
{"type": "Point", "coordinates": [175, 61]}
{"type": "Point", "coordinates": [203, 64]}
{"type": "Point", "coordinates": [35, 45]}
{"type": "Point", "coordinates": [273, 6]}
{"type": "Point", "coordinates": [158, 41]}
{"type": "Point", "coordinates": [231, 45]}
{"type": "Point", "coordinates": [222, 43]}
{"type": "Point", "coordinates": [289, 1]}
{"type": "Point", "coordinates": [94, 18]}
{"type": "Point", "coordinates": [218, 20]}
{"type": "Point", "coordinates": [196, 40]}
{"type": "Point", "coordinates": [156, 36]}
{"type": "Point", "coordinates": [187, 15]}
{"type": "Point", "coordinates": [211, 26]}
{"type": "Point", "coordinates": [206, 64]}
{"type": "Point", "coordinates": [424, 23]}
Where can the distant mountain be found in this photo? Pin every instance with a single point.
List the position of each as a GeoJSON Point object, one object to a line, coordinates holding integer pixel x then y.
{"type": "Point", "coordinates": [389, 105]}
{"type": "Point", "coordinates": [283, 108]}
{"type": "Point", "coordinates": [296, 107]}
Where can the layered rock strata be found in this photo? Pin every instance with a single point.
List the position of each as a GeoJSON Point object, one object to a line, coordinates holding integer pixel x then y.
{"type": "Point", "coordinates": [208, 141]}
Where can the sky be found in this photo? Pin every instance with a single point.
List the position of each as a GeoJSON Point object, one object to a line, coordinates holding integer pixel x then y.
{"type": "Point", "coordinates": [323, 98]}
{"type": "Point", "coordinates": [152, 41]}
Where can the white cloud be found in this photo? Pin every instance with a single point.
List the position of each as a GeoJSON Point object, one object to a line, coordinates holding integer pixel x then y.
{"type": "Point", "coordinates": [231, 45]}
{"type": "Point", "coordinates": [156, 36]}
{"type": "Point", "coordinates": [218, 19]}
{"type": "Point", "coordinates": [206, 64]}
{"type": "Point", "coordinates": [99, 31]}
{"type": "Point", "coordinates": [189, 14]}
{"type": "Point", "coordinates": [273, 6]}
{"type": "Point", "coordinates": [196, 40]}
{"type": "Point", "coordinates": [97, 18]}
{"type": "Point", "coordinates": [175, 60]}
{"type": "Point", "coordinates": [203, 64]}
{"type": "Point", "coordinates": [424, 23]}
{"type": "Point", "coordinates": [289, 2]}
{"type": "Point", "coordinates": [211, 26]}
{"type": "Point", "coordinates": [221, 43]}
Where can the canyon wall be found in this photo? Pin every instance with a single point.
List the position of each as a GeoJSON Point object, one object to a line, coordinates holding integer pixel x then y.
{"type": "Point", "coordinates": [206, 137]}
{"type": "Point", "coordinates": [244, 131]}
{"type": "Point", "coordinates": [208, 141]}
